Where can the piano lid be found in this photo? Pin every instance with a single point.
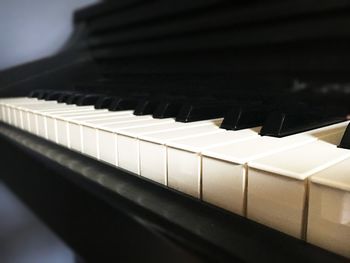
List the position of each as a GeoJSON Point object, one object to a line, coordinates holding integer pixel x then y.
{"type": "Point", "coordinates": [263, 48]}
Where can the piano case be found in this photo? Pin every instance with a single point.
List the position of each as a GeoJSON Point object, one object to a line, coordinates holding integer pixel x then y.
{"type": "Point", "coordinates": [261, 48]}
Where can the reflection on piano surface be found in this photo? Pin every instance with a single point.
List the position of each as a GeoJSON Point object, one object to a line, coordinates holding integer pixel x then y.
{"type": "Point", "coordinates": [241, 106]}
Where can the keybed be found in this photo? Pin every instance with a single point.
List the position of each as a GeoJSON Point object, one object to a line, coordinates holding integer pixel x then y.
{"type": "Point", "coordinates": [288, 183]}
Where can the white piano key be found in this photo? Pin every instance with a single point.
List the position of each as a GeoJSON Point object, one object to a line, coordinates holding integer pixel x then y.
{"type": "Point", "coordinates": [89, 133]}
{"type": "Point", "coordinates": [102, 113]}
{"type": "Point", "coordinates": [19, 118]}
{"type": "Point", "coordinates": [4, 114]}
{"type": "Point", "coordinates": [39, 105]}
{"type": "Point", "coordinates": [35, 104]}
{"type": "Point", "coordinates": [33, 125]}
{"type": "Point", "coordinates": [224, 168]}
{"type": "Point", "coordinates": [38, 126]}
{"type": "Point", "coordinates": [50, 120]}
{"type": "Point", "coordinates": [9, 108]}
{"type": "Point", "coordinates": [57, 122]}
{"type": "Point", "coordinates": [44, 117]}
{"type": "Point", "coordinates": [8, 114]}
{"type": "Point", "coordinates": [77, 124]}
{"type": "Point", "coordinates": [329, 209]}
{"type": "Point", "coordinates": [153, 154]}
{"type": "Point", "coordinates": [41, 120]}
{"type": "Point", "coordinates": [103, 116]}
{"type": "Point", "coordinates": [1, 113]}
{"type": "Point", "coordinates": [13, 117]}
{"type": "Point", "coordinates": [51, 126]}
{"type": "Point", "coordinates": [67, 108]}
{"type": "Point", "coordinates": [277, 184]}
{"type": "Point", "coordinates": [6, 117]}
{"type": "Point", "coordinates": [172, 125]}
{"type": "Point", "coordinates": [59, 107]}
{"type": "Point", "coordinates": [25, 121]}
{"type": "Point", "coordinates": [90, 143]}
{"type": "Point", "coordinates": [74, 133]}
{"type": "Point", "coordinates": [184, 157]}
{"type": "Point", "coordinates": [61, 132]}
{"type": "Point", "coordinates": [107, 122]}
{"type": "Point", "coordinates": [17, 100]}
{"type": "Point", "coordinates": [10, 119]}
{"type": "Point", "coordinates": [129, 137]}
{"type": "Point", "coordinates": [70, 112]}
{"type": "Point", "coordinates": [42, 129]}
{"type": "Point", "coordinates": [60, 126]}
{"type": "Point", "coordinates": [98, 116]}
{"type": "Point", "coordinates": [74, 137]}
{"type": "Point", "coordinates": [91, 146]}
{"type": "Point", "coordinates": [79, 113]}
{"type": "Point", "coordinates": [28, 121]}
{"type": "Point", "coordinates": [109, 131]}
{"type": "Point", "coordinates": [20, 104]}
{"type": "Point", "coordinates": [105, 146]}
{"type": "Point", "coordinates": [13, 101]}
{"type": "Point", "coordinates": [74, 116]}
{"type": "Point", "coordinates": [23, 112]}
{"type": "Point", "coordinates": [23, 116]}
{"type": "Point", "coordinates": [38, 108]}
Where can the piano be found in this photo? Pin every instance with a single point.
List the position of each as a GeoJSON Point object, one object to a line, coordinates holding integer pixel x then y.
{"type": "Point", "coordinates": [204, 130]}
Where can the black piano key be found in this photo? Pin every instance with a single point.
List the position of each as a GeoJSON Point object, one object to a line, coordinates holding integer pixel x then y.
{"type": "Point", "coordinates": [40, 94]}
{"type": "Point", "coordinates": [345, 141]}
{"type": "Point", "coordinates": [104, 102]}
{"type": "Point", "coordinates": [89, 99]}
{"type": "Point", "coordinates": [124, 103]}
{"type": "Point", "coordinates": [55, 95]}
{"type": "Point", "coordinates": [146, 106]}
{"type": "Point", "coordinates": [64, 97]}
{"type": "Point", "coordinates": [245, 116]}
{"type": "Point", "coordinates": [202, 110]}
{"type": "Point", "coordinates": [43, 94]}
{"type": "Point", "coordinates": [284, 123]}
{"type": "Point", "coordinates": [34, 94]}
{"type": "Point", "coordinates": [74, 98]}
{"type": "Point", "coordinates": [169, 108]}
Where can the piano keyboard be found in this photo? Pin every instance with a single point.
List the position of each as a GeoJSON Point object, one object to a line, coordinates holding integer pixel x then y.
{"type": "Point", "coordinates": [297, 184]}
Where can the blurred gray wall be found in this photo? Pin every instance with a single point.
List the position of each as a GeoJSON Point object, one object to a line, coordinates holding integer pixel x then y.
{"type": "Point", "coordinates": [31, 29]}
